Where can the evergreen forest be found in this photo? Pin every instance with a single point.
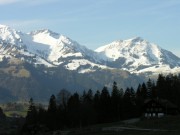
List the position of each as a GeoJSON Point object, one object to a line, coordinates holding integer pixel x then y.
{"type": "Point", "coordinates": [66, 110]}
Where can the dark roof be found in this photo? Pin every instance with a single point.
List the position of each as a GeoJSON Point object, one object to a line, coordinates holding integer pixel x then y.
{"type": "Point", "coordinates": [165, 103]}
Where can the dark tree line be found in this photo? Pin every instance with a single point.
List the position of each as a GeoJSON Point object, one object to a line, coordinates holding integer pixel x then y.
{"type": "Point", "coordinates": [69, 111]}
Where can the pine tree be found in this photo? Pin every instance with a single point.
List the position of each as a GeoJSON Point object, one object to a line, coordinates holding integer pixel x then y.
{"type": "Point", "coordinates": [90, 95]}
{"type": "Point", "coordinates": [52, 113]}
{"type": "Point", "coordinates": [52, 108]}
{"type": "Point", "coordinates": [87, 98]}
{"type": "Point", "coordinates": [126, 104]}
{"type": "Point", "coordinates": [115, 91]}
{"type": "Point", "coordinates": [31, 117]}
{"type": "Point", "coordinates": [161, 86]}
{"type": "Point", "coordinates": [74, 111]}
{"type": "Point", "coordinates": [41, 115]}
{"type": "Point", "coordinates": [87, 110]}
{"type": "Point", "coordinates": [138, 92]}
{"type": "Point", "coordinates": [139, 100]}
{"type": "Point", "coordinates": [127, 95]}
{"type": "Point", "coordinates": [133, 96]}
{"type": "Point", "coordinates": [115, 102]}
{"type": "Point", "coordinates": [149, 89]}
{"type": "Point", "coordinates": [154, 91]}
{"type": "Point", "coordinates": [96, 106]}
{"type": "Point", "coordinates": [30, 126]}
{"type": "Point", "coordinates": [63, 97]}
{"type": "Point", "coordinates": [129, 104]}
{"type": "Point", "coordinates": [105, 105]}
{"type": "Point", "coordinates": [121, 92]}
{"type": "Point", "coordinates": [144, 91]}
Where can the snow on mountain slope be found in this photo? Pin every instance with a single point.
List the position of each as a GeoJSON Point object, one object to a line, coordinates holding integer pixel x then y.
{"type": "Point", "coordinates": [50, 48]}
{"type": "Point", "coordinates": [10, 35]}
{"type": "Point", "coordinates": [12, 45]}
{"type": "Point", "coordinates": [57, 46]}
{"type": "Point", "coordinates": [137, 55]}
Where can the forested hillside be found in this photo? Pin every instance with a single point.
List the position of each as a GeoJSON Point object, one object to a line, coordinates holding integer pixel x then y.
{"type": "Point", "coordinates": [81, 110]}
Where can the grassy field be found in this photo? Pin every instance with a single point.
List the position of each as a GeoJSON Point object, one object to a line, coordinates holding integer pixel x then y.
{"type": "Point", "coordinates": [169, 125]}
{"type": "Point", "coordinates": [12, 113]}
{"type": "Point", "coordinates": [15, 109]}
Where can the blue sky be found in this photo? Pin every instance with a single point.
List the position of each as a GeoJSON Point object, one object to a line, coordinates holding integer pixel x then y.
{"type": "Point", "coordinates": [97, 22]}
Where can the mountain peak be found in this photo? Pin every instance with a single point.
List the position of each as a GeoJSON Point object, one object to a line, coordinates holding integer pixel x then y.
{"type": "Point", "coordinates": [128, 42]}
{"type": "Point", "coordinates": [3, 26]}
{"type": "Point", "coordinates": [137, 38]}
{"type": "Point", "coordinates": [135, 41]}
{"type": "Point", "coordinates": [135, 54]}
{"type": "Point", "coordinates": [9, 35]}
{"type": "Point", "coordinates": [45, 31]}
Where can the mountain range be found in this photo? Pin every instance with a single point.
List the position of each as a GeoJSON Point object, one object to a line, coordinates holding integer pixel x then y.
{"type": "Point", "coordinates": [42, 62]}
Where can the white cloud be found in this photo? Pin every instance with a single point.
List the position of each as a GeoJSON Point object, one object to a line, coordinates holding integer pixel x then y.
{"type": "Point", "coordinates": [4, 2]}
{"type": "Point", "coordinates": [29, 2]}
{"type": "Point", "coordinates": [38, 2]}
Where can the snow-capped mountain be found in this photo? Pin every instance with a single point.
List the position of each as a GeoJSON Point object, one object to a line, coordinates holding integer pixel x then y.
{"type": "Point", "coordinates": [138, 55]}
{"type": "Point", "coordinates": [67, 64]}
{"type": "Point", "coordinates": [48, 48]}
{"type": "Point", "coordinates": [51, 49]}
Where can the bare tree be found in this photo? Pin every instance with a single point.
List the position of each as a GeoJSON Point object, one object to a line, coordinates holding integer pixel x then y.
{"type": "Point", "coordinates": [63, 97]}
